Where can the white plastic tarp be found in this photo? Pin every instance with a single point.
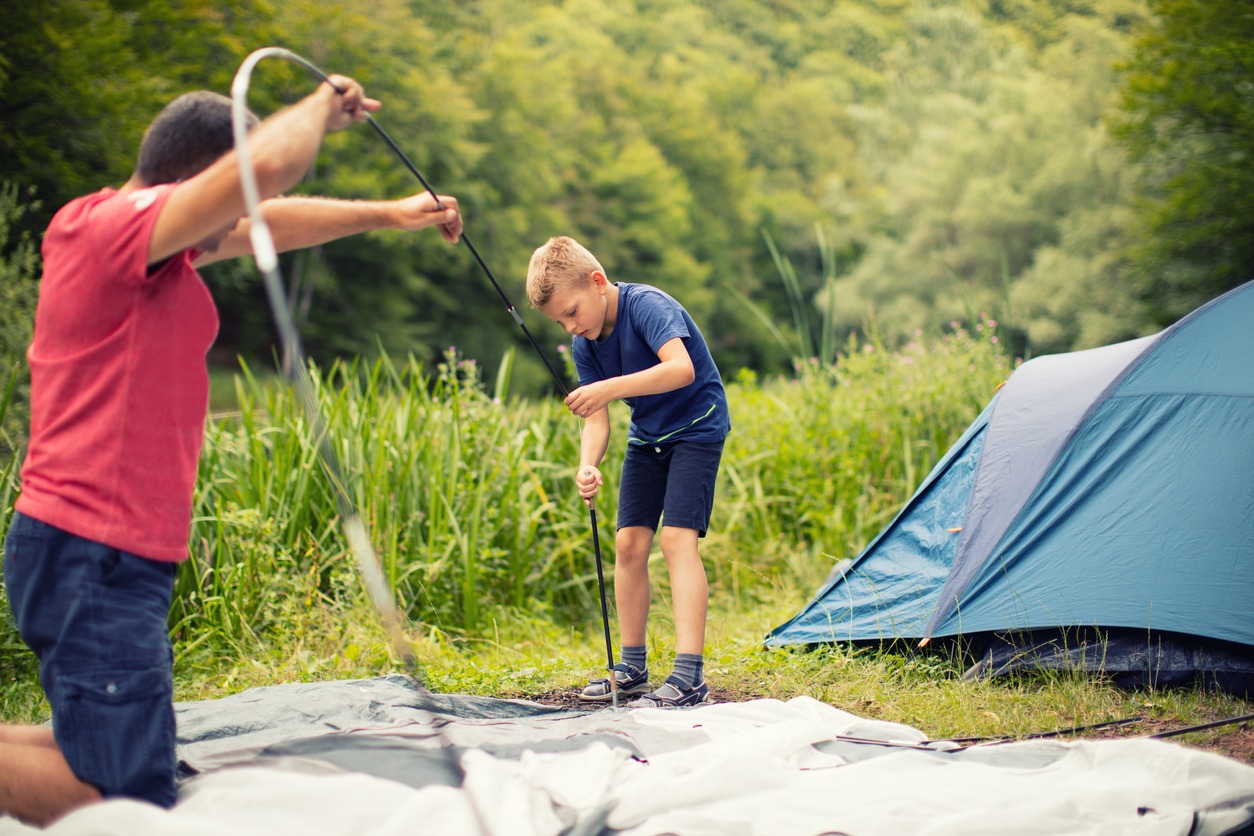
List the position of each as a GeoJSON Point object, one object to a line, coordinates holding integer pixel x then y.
{"type": "Point", "coordinates": [380, 756]}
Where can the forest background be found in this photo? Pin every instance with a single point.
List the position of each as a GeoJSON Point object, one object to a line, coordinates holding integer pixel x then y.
{"type": "Point", "coordinates": [1078, 170]}
{"type": "Point", "coordinates": [872, 207]}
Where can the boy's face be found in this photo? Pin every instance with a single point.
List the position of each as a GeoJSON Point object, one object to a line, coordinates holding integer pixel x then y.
{"type": "Point", "coordinates": [580, 309]}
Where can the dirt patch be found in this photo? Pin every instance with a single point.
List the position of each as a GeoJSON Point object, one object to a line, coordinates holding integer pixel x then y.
{"type": "Point", "coordinates": [1234, 741]}
{"type": "Point", "coordinates": [569, 698]}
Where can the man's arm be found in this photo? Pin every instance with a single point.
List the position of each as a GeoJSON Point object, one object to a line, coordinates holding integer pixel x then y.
{"type": "Point", "coordinates": [281, 149]}
{"type": "Point", "coordinates": [673, 372]}
{"type": "Point", "coordinates": [299, 222]}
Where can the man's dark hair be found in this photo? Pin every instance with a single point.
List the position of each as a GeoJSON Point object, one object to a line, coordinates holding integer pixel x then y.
{"type": "Point", "coordinates": [188, 135]}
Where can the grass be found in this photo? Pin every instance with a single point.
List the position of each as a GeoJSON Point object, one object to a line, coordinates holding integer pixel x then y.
{"type": "Point", "coordinates": [471, 506]}
{"type": "Point", "coordinates": [525, 656]}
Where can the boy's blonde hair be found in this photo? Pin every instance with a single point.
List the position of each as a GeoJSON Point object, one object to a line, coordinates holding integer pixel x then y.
{"type": "Point", "coordinates": [561, 262]}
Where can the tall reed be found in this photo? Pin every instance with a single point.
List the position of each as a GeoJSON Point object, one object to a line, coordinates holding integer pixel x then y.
{"type": "Point", "coordinates": [818, 462]}
{"type": "Point", "coordinates": [468, 499]}
{"type": "Point", "coordinates": [471, 504]}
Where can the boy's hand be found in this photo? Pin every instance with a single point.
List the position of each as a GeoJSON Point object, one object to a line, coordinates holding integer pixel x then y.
{"type": "Point", "coordinates": [589, 480]}
{"type": "Point", "coordinates": [587, 400]}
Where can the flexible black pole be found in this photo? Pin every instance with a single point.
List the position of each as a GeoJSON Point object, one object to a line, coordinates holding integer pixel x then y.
{"type": "Point", "coordinates": [1245, 718]}
{"type": "Point", "coordinates": [377, 588]}
{"type": "Point", "coordinates": [605, 613]}
{"type": "Point", "coordinates": [465, 240]}
{"type": "Point", "coordinates": [294, 365]}
{"type": "Point", "coordinates": [509, 306]}
{"type": "Point", "coordinates": [513, 312]}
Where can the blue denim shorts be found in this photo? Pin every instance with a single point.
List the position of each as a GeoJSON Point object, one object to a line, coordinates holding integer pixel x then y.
{"type": "Point", "coordinates": [97, 619]}
{"type": "Point", "coordinates": [670, 483]}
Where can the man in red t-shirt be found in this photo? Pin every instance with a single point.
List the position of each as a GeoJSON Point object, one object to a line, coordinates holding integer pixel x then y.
{"type": "Point", "coordinates": [119, 394]}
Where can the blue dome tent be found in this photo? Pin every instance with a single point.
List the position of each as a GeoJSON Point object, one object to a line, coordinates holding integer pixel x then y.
{"type": "Point", "coordinates": [1098, 515]}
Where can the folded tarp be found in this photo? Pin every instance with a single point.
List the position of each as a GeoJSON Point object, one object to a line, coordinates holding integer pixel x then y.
{"type": "Point", "coordinates": [381, 756]}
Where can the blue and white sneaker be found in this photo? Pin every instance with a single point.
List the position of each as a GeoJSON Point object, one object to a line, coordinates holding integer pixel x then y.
{"type": "Point", "coordinates": [673, 694]}
{"type": "Point", "coordinates": [631, 683]}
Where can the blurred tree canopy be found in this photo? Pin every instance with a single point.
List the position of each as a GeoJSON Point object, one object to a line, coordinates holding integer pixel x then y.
{"type": "Point", "coordinates": [958, 159]}
{"type": "Point", "coordinates": [1189, 119]}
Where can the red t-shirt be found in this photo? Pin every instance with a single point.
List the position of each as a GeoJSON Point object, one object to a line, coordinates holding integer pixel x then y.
{"type": "Point", "coordinates": [119, 386]}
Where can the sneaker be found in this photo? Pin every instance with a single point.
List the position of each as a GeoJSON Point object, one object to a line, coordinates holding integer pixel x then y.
{"type": "Point", "coordinates": [631, 682]}
{"type": "Point", "coordinates": [672, 695]}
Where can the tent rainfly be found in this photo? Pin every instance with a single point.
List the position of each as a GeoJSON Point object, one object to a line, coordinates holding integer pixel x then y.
{"type": "Point", "coordinates": [1098, 515]}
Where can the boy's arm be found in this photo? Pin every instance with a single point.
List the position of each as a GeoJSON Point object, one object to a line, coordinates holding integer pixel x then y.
{"type": "Point", "coordinates": [673, 372]}
{"type": "Point", "coordinates": [298, 222]}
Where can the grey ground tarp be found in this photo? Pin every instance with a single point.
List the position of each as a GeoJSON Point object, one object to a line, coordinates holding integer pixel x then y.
{"type": "Point", "coordinates": [379, 756]}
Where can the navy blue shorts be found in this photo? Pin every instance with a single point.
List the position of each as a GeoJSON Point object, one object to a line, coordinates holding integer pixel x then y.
{"type": "Point", "coordinates": [96, 618]}
{"type": "Point", "coordinates": [671, 483]}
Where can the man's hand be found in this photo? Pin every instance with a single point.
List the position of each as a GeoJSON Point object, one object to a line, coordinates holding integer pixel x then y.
{"type": "Point", "coordinates": [352, 105]}
{"type": "Point", "coordinates": [422, 211]}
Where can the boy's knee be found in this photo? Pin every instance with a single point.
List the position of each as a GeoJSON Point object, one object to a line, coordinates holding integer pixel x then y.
{"type": "Point", "coordinates": [632, 545]}
{"type": "Point", "coordinates": [678, 542]}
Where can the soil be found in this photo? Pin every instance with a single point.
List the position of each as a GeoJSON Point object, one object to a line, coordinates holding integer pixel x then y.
{"type": "Point", "coordinates": [1234, 741]}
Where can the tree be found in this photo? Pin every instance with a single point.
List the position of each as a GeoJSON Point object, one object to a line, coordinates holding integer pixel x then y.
{"type": "Point", "coordinates": [81, 79]}
{"type": "Point", "coordinates": [1189, 118]}
{"type": "Point", "coordinates": [993, 164]}
{"type": "Point", "coordinates": [71, 90]}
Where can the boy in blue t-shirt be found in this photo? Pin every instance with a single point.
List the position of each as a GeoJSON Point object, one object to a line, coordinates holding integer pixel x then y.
{"type": "Point", "coordinates": [634, 343]}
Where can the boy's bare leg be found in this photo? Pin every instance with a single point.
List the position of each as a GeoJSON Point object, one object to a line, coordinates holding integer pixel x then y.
{"type": "Point", "coordinates": [631, 583]}
{"type": "Point", "coordinates": [689, 590]}
{"type": "Point", "coordinates": [36, 783]}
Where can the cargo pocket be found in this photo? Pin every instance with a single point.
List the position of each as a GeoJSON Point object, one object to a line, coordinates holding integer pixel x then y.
{"type": "Point", "coordinates": [116, 728]}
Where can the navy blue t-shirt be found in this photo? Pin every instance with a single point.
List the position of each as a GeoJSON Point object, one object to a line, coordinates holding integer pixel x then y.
{"type": "Point", "coordinates": [647, 319]}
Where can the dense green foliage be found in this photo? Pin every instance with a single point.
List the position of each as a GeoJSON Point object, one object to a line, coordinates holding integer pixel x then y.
{"type": "Point", "coordinates": [955, 157]}
{"type": "Point", "coordinates": [1189, 116]}
{"type": "Point", "coordinates": [18, 293]}
{"type": "Point", "coordinates": [469, 497]}
{"type": "Point", "coordinates": [469, 494]}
